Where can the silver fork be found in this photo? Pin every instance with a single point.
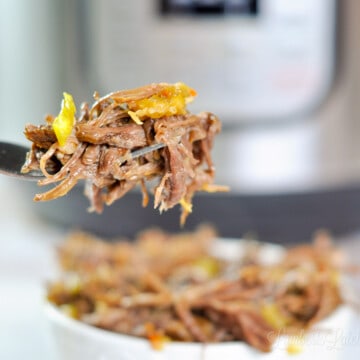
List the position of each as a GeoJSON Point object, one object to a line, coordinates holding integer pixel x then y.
{"type": "Point", "coordinates": [12, 158]}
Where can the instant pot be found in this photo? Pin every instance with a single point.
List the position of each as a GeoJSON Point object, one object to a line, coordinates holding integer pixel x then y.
{"type": "Point", "coordinates": [283, 76]}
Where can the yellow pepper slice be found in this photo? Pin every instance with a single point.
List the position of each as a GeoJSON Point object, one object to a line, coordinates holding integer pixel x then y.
{"type": "Point", "coordinates": [169, 101]}
{"type": "Point", "coordinates": [64, 122]}
{"type": "Point", "coordinates": [296, 344]}
{"type": "Point", "coordinates": [273, 316]}
{"type": "Point", "coordinates": [186, 205]}
{"type": "Point", "coordinates": [134, 116]}
{"type": "Point", "coordinates": [210, 266]}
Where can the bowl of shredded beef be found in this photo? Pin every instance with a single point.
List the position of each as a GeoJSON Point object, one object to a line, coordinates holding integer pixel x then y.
{"type": "Point", "coordinates": [195, 296]}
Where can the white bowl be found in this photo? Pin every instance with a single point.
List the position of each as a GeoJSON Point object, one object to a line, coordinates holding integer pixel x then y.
{"type": "Point", "coordinates": [78, 341]}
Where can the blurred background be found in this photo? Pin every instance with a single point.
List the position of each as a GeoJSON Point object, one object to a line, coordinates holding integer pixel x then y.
{"type": "Point", "coordinates": [283, 76]}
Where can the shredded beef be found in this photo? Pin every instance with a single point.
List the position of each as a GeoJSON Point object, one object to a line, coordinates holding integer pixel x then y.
{"type": "Point", "coordinates": [99, 151]}
{"type": "Point", "coordinates": [171, 286]}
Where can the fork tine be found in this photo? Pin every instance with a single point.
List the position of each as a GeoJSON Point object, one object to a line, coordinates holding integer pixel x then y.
{"type": "Point", "coordinates": [146, 150]}
{"type": "Point", "coordinates": [12, 157]}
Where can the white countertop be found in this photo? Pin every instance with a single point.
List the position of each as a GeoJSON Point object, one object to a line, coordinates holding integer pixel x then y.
{"type": "Point", "coordinates": [27, 261]}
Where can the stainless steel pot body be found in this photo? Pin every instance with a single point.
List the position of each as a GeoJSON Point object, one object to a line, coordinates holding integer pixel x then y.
{"type": "Point", "coordinates": [283, 76]}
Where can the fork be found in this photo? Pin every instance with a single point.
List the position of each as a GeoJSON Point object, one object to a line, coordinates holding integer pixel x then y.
{"type": "Point", "coordinates": [13, 156]}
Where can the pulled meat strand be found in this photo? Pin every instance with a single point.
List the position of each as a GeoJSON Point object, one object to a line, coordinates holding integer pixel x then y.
{"type": "Point", "coordinates": [127, 136]}
{"type": "Point", "coordinates": [184, 313]}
